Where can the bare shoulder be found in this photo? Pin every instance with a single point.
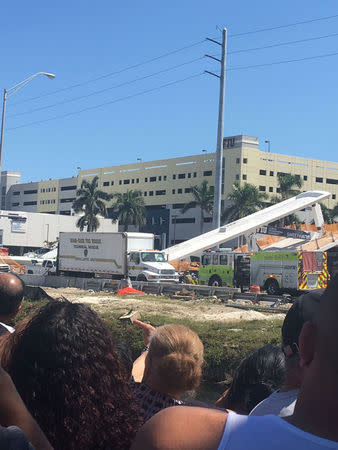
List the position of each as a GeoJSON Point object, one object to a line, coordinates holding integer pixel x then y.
{"type": "Point", "coordinates": [182, 427]}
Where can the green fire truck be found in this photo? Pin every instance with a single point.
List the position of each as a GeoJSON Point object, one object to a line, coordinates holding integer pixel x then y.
{"type": "Point", "coordinates": [273, 271]}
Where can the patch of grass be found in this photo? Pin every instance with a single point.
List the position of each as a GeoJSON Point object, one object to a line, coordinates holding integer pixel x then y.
{"type": "Point", "coordinates": [224, 348]}
{"type": "Point", "coordinates": [225, 344]}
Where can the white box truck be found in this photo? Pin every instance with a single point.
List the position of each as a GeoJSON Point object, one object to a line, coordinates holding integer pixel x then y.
{"type": "Point", "coordinates": [113, 255]}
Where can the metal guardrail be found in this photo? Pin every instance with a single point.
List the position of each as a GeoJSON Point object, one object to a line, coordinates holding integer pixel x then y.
{"type": "Point", "coordinates": [224, 293]}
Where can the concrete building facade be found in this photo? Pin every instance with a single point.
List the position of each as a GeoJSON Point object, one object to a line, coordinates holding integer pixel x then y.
{"type": "Point", "coordinates": [166, 184]}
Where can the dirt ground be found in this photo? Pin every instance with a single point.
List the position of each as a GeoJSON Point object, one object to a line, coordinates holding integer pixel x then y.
{"type": "Point", "coordinates": [199, 310]}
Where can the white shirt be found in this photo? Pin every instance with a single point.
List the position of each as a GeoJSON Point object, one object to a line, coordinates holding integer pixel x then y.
{"type": "Point", "coordinates": [266, 433]}
{"type": "Point", "coordinates": [280, 404]}
{"type": "Point", "coordinates": [9, 328]}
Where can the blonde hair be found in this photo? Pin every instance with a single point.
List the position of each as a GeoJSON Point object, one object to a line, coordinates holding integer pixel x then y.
{"type": "Point", "coordinates": [176, 355]}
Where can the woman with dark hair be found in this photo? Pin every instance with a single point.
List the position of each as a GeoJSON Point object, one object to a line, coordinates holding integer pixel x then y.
{"type": "Point", "coordinates": [256, 377]}
{"type": "Point", "coordinates": [65, 367]}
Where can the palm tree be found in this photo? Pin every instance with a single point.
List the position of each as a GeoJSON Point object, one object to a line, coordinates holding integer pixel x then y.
{"type": "Point", "coordinates": [91, 201]}
{"type": "Point", "coordinates": [245, 200]}
{"type": "Point", "coordinates": [287, 183]}
{"type": "Point", "coordinates": [129, 208]}
{"type": "Point", "coordinates": [203, 198]}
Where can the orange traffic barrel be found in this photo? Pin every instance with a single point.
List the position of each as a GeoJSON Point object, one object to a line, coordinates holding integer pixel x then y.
{"type": "Point", "coordinates": [255, 288]}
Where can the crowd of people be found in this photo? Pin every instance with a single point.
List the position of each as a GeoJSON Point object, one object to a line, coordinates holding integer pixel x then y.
{"type": "Point", "coordinates": [65, 383]}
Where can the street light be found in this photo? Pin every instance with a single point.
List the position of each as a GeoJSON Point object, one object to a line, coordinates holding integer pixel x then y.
{"type": "Point", "coordinates": [7, 94]}
{"type": "Point", "coordinates": [268, 142]}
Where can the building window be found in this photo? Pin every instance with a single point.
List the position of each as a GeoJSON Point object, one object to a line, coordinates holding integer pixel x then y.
{"type": "Point", "coordinates": [262, 188]}
{"type": "Point", "coordinates": [160, 178]}
{"type": "Point", "coordinates": [187, 190]}
{"type": "Point", "coordinates": [244, 177]}
{"type": "Point", "coordinates": [305, 177]}
{"type": "Point", "coordinates": [146, 180]}
{"type": "Point", "coordinates": [70, 188]}
{"type": "Point", "coordinates": [32, 191]}
{"type": "Point", "coordinates": [237, 160]}
{"type": "Point", "coordinates": [331, 181]}
{"type": "Point", "coordinates": [145, 194]}
{"type": "Point", "coordinates": [42, 202]}
{"type": "Point", "coordinates": [16, 193]}
{"type": "Point", "coordinates": [181, 176]}
{"type": "Point", "coordinates": [189, 175]}
{"type": "Point", "coordinates": [126, 181]}
{"type": "Point", "coordinates": [245, 160]}
{"type": "Point", "coordinates": [173, 191]}
{"type": "Point", "coordinates": [319, 180]}
{"type": "Point", "coordinates": [42, 190]}
{"type": "Point", "coordinates": [112, 183]}
{"type": "Point", "coordinates": [15, 204]}
{"type": "Point", "coordinates": [207, 173]}
{"type": "Point", "coordinates": [237, 177]}
{"type": "Point", "coordinates": [106, 183]}
{"type": "Point", "coordinates": [195, 174]}
{"type": "Point", "coordinates": [183, 220]}
{"type": "Point", "coordinates": [67, 200]}
{"type": "Point", "coordinates": [120, 181]}
{"type": "Point", "coordinates": [151, 193]}
{"type": "Point", "coordinates": [179, 191]}
{"type": "Point", "coordinates": [152, 179]}
{"type": "Point", "coordinates": [162, 192]}
{"type": "Point", "coordinates": [334, 196]}
{"type": "Point", "coordinates": [270, 189]}
{"type": "Point", "coordinates": [65, 213]}
{"type": "Point", "coordinates": [271, 173]}
{"type": "Point", "coordinates": [174, 177]}
{"type": "Point", "coordinates": [278, 190]}
{"type": "Point", "coordinates": [132, 180]}
{"type": "Point", "coordinates": [137, 180]}
{"type": "Point", "coordinates": [29, 203]}
{"type": "Point", "coordinates": [262, 172]}
{"type": "Point", "coordinates": [178, 205]}
{"type": "Point", "coordinates": [165, 178]}
{"type": "Point", "coordinates": [207, 219]}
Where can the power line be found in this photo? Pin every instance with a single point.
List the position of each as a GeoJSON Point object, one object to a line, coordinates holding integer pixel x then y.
{"type": "Point", "coordinates": [107, 89]}
{"type": "Point", "coordinates": [283, 62]}
{"type": "Point", "coordinates": [280, 44]}
{"type": "Point", "coordinates": [108, 103]}
{"type": "Point", "coordinates": [284, 26]}
{"type": "Point", "coordinates": [117, 72]}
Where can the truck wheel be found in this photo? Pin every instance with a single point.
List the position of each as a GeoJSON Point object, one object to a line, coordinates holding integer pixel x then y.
{"type": "Point", "coordinates": [141, 277]}
{"type": "Point", "coordinates": [215, 280]}
{"type": "Point", "coordinates": [271, 286]}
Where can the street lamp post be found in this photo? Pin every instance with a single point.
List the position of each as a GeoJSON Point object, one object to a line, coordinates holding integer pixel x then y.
{"type": "Point", "coordinates": [7, 94]}
{"type": "Point", "coordinates": [268, 142]}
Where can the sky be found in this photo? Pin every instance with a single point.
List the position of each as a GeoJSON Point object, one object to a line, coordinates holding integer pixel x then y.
{"type": "Point", "coordinates": [158, 110]}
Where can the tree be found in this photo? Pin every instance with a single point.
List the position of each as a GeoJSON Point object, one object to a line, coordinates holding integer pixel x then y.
{"type": "Point", "coordinates": [246, 200]}
{"type": "Point", "coordinates": [203, 197]}
{"type": "Point", "coordinates": [129, 208]}
{"type": "Point", "coordinates": [329, 215]}
{"type": "Point", "coordinates": [91, 202]}
{"type": "Point", "coordinates": [287, 184]}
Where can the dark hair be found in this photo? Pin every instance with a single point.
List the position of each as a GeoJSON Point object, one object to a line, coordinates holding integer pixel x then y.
{"type": "Point", "coordinates": [65, 367]}
{"type": "Point", "coordinates": [11, 293]}
{"type": "Point", "coordinates": [257, 376]}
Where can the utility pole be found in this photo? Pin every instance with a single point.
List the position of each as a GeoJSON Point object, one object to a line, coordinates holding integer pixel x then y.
{"type": "Point", "coordinates": [219, 150]}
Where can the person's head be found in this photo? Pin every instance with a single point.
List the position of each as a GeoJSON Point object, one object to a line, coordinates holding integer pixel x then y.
{"type": "Point", "coordinates": [11, 295]}
{"type": "Point", "coordinates": [64, 365]}
{"type": "Point", "coordinates": [174, 361]}
{"type": "Point", "coordinates": [303, 309]}
{"type": "Point", "coordinates": [257, 376]}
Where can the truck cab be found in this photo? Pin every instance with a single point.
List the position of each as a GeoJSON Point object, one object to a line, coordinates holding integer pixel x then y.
{"type": "Point", "coordinates": [150, 265]}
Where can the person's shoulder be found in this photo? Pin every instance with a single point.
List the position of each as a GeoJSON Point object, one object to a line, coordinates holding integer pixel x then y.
{"type": "Point", "coordinates": [182, 427]}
